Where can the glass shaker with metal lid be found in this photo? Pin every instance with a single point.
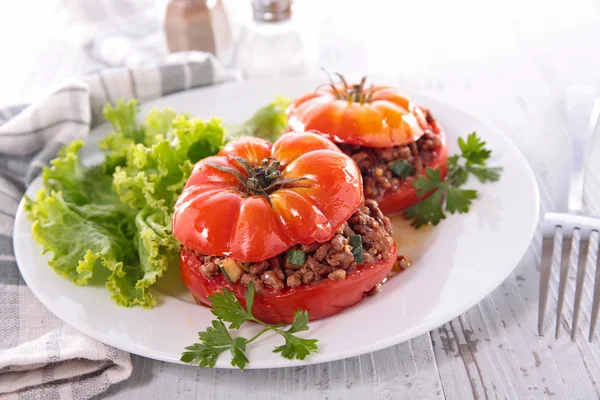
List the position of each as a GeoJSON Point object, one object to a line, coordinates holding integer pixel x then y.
{"type": "Point", "coordinates": [274, 44]}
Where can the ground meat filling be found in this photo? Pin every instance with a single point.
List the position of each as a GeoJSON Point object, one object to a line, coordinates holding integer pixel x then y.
{"type": "Point", "coordinates": [375, 163]}
{"type": "Point", "coordinates": [332, 260]}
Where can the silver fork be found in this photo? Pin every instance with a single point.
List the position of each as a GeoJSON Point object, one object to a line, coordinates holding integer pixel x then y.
{"type": "Point", "coordinates": [564, 232]}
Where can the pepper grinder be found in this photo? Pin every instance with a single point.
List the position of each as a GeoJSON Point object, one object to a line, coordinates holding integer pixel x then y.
{"type": "Point", "coordinates": [273, 44]}
{"type": "Point", "coordinates": [198, 25]}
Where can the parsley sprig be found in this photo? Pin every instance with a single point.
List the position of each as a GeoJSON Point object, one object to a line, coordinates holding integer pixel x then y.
{"type": "Point", "coordinates": [217, 339]}
{"type": "Point", "coordinates": [447, 194]}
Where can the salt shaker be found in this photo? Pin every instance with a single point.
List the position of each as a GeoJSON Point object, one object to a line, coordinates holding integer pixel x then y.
{"type": "Point", "coordinates": [273, 44]}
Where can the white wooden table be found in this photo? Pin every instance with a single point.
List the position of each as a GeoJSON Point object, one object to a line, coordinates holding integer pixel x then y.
{"type": "Point", "coordinates": [508, 62]}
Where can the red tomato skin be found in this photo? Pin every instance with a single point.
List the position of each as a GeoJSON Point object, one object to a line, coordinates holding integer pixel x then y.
{"type": "Point", "coordinates": [406, 195]}
{"type": "Point", "coordinates": [388, 119]}
{"type": "Point", "coordinates": [271, 306]}
{"type": "Point", "coordinates": [380, 123]}
{"type": "Point", "coordinates": [215, 215]}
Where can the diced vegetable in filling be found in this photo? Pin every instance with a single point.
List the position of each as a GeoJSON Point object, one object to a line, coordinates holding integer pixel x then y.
{"type": "Point", "coordinates": [363, 239]}
{"type": "Point", "coordinates": [386, 168]}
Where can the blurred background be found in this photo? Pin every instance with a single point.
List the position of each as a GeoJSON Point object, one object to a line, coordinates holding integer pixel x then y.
{"type": "Point", "coordinates": [464, 42]}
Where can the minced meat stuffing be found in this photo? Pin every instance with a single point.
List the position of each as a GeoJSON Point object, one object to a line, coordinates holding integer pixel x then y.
{"type": "Point", "coordinates": [374, 163]}
{"type": "Point", "coordinates": [331, 260]}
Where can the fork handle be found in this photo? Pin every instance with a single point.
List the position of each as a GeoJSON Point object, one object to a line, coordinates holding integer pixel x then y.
{"type": "Point", "coordinates": [583, 110]}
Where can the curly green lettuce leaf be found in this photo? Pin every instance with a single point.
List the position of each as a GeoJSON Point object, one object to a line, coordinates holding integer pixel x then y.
{"type": "Point", "coordinates": [154, 176]}
{"type": "Point", "coordinates": [269, 122]}
{"type": "Point", "coordinates": [79, 219]}
{"type": "Point", "coordinates": [127, 132]}
{"type": "Point", "coordinates": [158, 124]}
{"type": "Point", "coordinates": [77, 242]}
{"type": "Point", "coordinates": [68, 175]}
{"type": "Point", "coordinates": [157, 247]}
{"type": "Point", "coordinates": [123, 117]}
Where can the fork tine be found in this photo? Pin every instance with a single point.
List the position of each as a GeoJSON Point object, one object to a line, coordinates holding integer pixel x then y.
{"type": "Point", "coordinates": [572, 246]}
{"type": "Point", "coordinates": [596, 301]}
{"type": "Point", "coordinates": [583, 262]}
{"type": "Point", "coordinates": [549, 246]}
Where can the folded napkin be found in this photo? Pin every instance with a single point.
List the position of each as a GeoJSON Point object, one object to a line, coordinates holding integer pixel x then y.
{"type": "Point", "coordinates": [40, 357]}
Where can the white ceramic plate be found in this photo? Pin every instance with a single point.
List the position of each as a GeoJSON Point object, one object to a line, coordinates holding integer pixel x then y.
{"type": "Point", "coordinates": [455, 265]}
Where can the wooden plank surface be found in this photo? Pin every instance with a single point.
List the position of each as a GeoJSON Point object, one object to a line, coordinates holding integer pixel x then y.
{"type": "Point", "coordinates": [508, 62]}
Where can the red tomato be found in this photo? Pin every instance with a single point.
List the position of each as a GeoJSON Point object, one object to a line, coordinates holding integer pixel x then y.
{"type": "Point", "coordinates": [271, 306]}
{"type": "Point", "coordinates": [377, 117]}
{"type": "Point", "coordinates": [255, 200]}
{"type": "Point", "coordinates": [372, 117]}
{"type": "Point", "coordinates": [406, 195]}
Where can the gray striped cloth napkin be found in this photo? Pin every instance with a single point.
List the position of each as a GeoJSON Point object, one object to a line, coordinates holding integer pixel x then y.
{"type": "Point", "coordinates": [40, 357]}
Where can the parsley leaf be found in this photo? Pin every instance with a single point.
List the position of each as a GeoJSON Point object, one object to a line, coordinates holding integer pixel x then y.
{"type": "Point", "coordinates": [485, 174]}
{"type": "Point", "coordinates": [456, 173]}
{"type": "Point", "coordinates": [427, 211]}
{"type": "Point", "coordinates": [238, 355]}
{"type": "Point", "coordinates": [459, 200]}
{"type": "Point", "coordinates": [296, 347]}
{"type": "Point", "coordinates": [300, 322]}
{"type": "Point", "coordinates": [473, 149]}
{"type": "Point", "coordinates": [432, 180]}
{"type": "Point", "coordinates": [201, 355]}
{"type": "Point", "coordinates": [217, 335]}
{"type": "Point", "coordinates": [217, 339]}
{"type": "Point", "coordinates": [250, 297]}
{"type": "Point", "coordinates": [472, 161]}
{"type": "Point", "coordinates": [227, 307]}
{"type": "Point", "coordinates": [447, 194]}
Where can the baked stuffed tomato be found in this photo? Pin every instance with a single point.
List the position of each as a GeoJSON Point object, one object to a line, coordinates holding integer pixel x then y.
{"type": "Point", "coordinates": [288, 217]}
{"type": "Point", "coordinates": [391, 138]}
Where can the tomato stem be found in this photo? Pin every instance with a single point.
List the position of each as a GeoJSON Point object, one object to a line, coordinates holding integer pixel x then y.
{"type": "Point", "coordinates": [229, 170]}
{"type": "Point", "coordinates": [367, 97]}
{"type": "Point", "coordinates": [260, 180]}
{"type": "Point", "coordinates": [343, 81]}
{"type": "Point", "coordinates": [242, 162]}
{"type": "Point", "coordinates": [354, 93]}
{"type": "Point", "coordinates": [337, 93]}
